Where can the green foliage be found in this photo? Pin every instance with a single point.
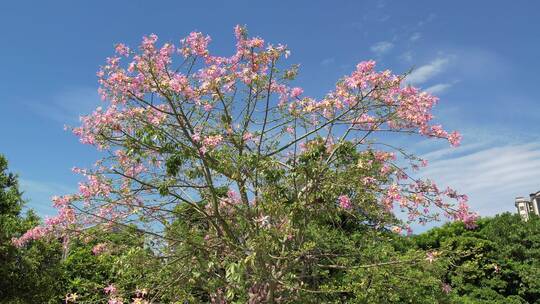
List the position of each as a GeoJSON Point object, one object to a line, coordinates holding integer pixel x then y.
{"type": "Point", "coordinates": [86, 273]}
{"type": "Point", "coordinates": [339, 257]}
{"type": "Point", "coordinates": [29, 274]}
{"type": "Point", "coordinates": [499, 262]}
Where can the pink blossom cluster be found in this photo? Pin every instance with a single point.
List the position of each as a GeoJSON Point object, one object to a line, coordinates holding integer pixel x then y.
{"type": "Point", "coordinates": [110, 289]}
{"type": "Point", "coordinates": [465, 215]}
{"type": "Point", "coordinates": [183, 108]}
{"type": "Point", "coordinates": [366, 122]}
{"type": "Point", "coordinates": [208, 142]}
{"type": "Point", "coordinates": [99, 249]}
{"type": "Point", "coordinates": [92, 125]}
{"type": "Point", "coordinates": [296, 92]}
{"type": "Point", "coordinates": [150, 72]}
{"type": "Point", "coordinates": [94, 186]}
{"type": "Point", "coordinates": [247, 136]}
{"type": "Point", "coordinates": [227, 204]}
{"type": "Point", "coordinates": [112, 292]}
{"type": "Point", "coordinates": [431, 256]}
{"type": "Point", "coordinates": [396, 229]}
{"type": "Point", "coordinates": [195, 44]}
{"type": "Point", "coordinates": [344, 202]}
{"type": "Point", "coordinates": [121, 49]}
{"type": "Point", "coordinates": [131, 167]}
{"type": "Point", "coordinates": [412, 107]}
{"type": "Point", "coordinates": [66, 216]}
{"type": "Point", "coordinates": [35, 233]}
{"type": "Point", "coordinates": [384, 156]}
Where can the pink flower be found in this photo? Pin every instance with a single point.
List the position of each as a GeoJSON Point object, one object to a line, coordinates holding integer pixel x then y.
{"type": "Point", "coordinates": [446, 288]}
{"type": "Point", "coordinates": [208, 107]}
{"type": "Point", "coordinates": [203, 150]}
{"type": "Point", "coordinates": [431, 256]}
{"type": "Point", "coordinates": [365, 66]}
{"type": "Point", "coordinates": [35, 233]}
{"type": "Point", "coordinates": [195, 44]}
{"type": "Point", "coordinates": [368, 180]}
{"type": "Point", "coordinates": [289, 130]}
{"type": "Point", "coordinates": [95, 186]}
{"type": "Point", "coordinates": [148, 42]}
{"type": "Point", "coordinates": [295, 92]}
{"type": "Point", "coordinates": [99, 248]}
{"type": "Point", "coordinates": [344, 202]}
{"type": "Point", "coordinates": [62, 201]}
{"type": "Point", "coordinates": [111, 289]}
{"type": "Point", "coordinates": [212, 141]}
{"type": "Point", "coordinates": [71, 297]}
{"type": "Point", "coordinates": [366, 122]}
{"type": "Point", "coordinates": [264, 220]}
{"type": "Point", "coordinates": [233, 196]}
{"type": "Point", "coordinates": [396, 229]}
{"type": "Point", "coordinates": [247, 136]}
{"type": "Point", "coordinates": [115, 300]}
{"type": "Point", "coordinates": [464, 215]}
{"type": "Point", "coordinates": [454, 138]}
{"type": "Point", "coordinates": [239, 32]}
{"type": "Point", "coordinates": [122, 50]}
{"type": "Point", "coordinates": [179, 83]}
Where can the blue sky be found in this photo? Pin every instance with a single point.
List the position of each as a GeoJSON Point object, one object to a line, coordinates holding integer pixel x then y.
{"type": "Point", "coordinates": [480, 57]}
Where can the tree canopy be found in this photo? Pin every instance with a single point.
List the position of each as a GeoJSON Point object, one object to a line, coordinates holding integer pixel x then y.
{"type": "Point", "coordinates": [499, 262]}
{"type": "Point", "coordinates": [243, 188]}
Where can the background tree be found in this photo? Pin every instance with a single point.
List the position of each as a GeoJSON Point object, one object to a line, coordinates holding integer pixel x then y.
{"type": "Point", "coordinates": [117, 259]}
{"type": "Point", "coordinates": [30, 274]}
{"type": "Point", "coordinates": [246, 189]}
{"type": "Point", "coordinates": [499, 262]}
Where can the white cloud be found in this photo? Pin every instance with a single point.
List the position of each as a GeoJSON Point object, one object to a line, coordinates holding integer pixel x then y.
{"type": "Point", "coordinates": [67, 106]}
{"type": "Point", "coordinates": [429, 19]}
{"type": "Point", "coordinates": [438, 88]}
{"type": "Point", "coordinates": [43, 187]}
{"type": "Point", "coordinates": [428, 71]}
{"type": "Point", "coordinates": [41, 193]}
{"type": "Point", "coordinates": [381, 47]}
{"type": "Point", "coordinates": [491, 176]}
{"type": "Point", "coordinates": [415, 37]}
{"type": "Point", "coordinates": [407, 57]}
{"type": "Point", "coordinates": [384, 18]}
{"type": "Point", "coordinates": [328, 61]}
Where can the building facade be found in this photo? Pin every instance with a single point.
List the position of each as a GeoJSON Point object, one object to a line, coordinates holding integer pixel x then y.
{"type": "Point", "coordinates": [527, 206]}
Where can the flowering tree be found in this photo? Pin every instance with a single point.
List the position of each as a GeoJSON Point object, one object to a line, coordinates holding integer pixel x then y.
{"type": "Point", "coordinates": [238, 180]}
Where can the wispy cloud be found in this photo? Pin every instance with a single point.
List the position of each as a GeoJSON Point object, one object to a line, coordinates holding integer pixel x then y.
{"type": "Point", "coordinates": [428, 71]}
{"type": "Point", "coordinates": [67, 106]}
{"type": "Point", "coordinates": [427, 20]}
{"type": "Point", "coordinates": [491, 176]}
{"type": "Point", "coordinates": [328, 61]}
{"type": "Point", "coordinates": [438, 88]}
{"type": "Point", "coordinates": [415, 37]}
{"type": "Point", "coordinates": [41, 193]}
{"type": "Point", "coordinates": [381, 47]}
{"type": "Point", "coordinates": [43, 187]}
{"type": "Point", "coordinates": [407, 57]}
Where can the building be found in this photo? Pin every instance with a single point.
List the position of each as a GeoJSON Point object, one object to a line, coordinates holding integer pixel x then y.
{"type": "Point", "coordinates": [526, 207]}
